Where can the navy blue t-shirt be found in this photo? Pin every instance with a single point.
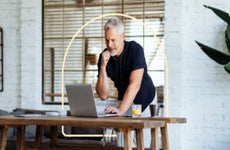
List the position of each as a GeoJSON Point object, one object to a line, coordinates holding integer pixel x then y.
{"type": "Point", "coordinates": [119, 70]}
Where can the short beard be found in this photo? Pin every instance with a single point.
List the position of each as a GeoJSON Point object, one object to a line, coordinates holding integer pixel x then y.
{"type": "Point", "coordinates": [112, 54]}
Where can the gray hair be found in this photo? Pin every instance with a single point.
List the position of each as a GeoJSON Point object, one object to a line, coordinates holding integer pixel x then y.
{"type": "Point", "coordinates": [114, 22]}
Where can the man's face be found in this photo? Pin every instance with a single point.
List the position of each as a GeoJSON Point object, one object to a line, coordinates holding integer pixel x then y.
{"type": "Point", "coordinates": [114, 41]}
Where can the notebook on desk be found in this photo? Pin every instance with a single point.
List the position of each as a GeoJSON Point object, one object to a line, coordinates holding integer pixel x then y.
{"type": "Point", "coordinates": [81, 101]}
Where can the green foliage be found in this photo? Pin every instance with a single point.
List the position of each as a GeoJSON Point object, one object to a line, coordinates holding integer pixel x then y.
{"type": "Point", "coordinates": [216, 55]}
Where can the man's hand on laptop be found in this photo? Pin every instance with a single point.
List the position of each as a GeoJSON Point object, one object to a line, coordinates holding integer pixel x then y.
{"type": "Point", "coordinates": [112, 110]}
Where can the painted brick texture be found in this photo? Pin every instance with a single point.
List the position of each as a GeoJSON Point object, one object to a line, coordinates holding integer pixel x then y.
{"type": "Point", "coordinates": [198, 87]}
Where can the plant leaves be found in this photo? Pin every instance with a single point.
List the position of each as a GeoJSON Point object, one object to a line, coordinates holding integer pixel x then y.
{"type": "Point", "coordinates": [227, 68]}
{"type": "Point", "coordinates": [214, 54]}
{"type": "Point", "coordinates": [227, 37]}
{"type": "Point", "coordinates": [222, 14]}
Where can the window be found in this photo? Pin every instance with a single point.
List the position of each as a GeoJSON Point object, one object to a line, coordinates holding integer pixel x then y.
{"type": "Point", "coordinates": [62, 18]}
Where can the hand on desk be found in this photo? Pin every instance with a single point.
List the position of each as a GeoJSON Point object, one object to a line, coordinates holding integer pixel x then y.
{"type": "Point", "coordinates": [112, 110]}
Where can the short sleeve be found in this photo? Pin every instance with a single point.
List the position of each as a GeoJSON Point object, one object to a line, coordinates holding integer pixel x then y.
{"type": "Point", "coordinates": [138, 58]}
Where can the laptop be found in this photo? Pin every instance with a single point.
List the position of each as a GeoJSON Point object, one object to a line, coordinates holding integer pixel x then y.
{"type": "Point", "coordinates": [81, 101]}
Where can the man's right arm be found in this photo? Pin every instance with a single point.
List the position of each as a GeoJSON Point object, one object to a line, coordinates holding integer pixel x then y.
{"type": "Point", "coordinates": [103, 81]}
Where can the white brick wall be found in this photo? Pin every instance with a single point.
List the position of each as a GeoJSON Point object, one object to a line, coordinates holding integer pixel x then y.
{"type": "Point", "coordinates": [198, 87]}
{"type": "Point", "coordinates": [21, 22]}
{"type": "Point", "coordinates": [9, 21]}
{"type": "Point", "coordinates": [31, 53]}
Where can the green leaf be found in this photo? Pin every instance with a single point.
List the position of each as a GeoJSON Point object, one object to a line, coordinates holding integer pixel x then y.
{"type": "Point", "coordinates": [222, 14]}
{"type": "Point", "coordinates": [214, 54]}
{"type": "Point", "coordinates": [227, 68]}
{"type": "Point", "coordinates": [227, 37]}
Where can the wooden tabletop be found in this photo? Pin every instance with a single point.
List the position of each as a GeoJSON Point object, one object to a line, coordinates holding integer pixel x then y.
{"type": "Point", "coordinates": [116, 122]}
{"type": "Point", "coordinates": [165, 119]}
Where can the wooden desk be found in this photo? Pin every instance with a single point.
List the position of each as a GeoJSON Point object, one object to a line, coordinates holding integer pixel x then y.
{"type": "Point", "coordinates": [126, 125]}
{"type": "Point", "coordinates": [164, 129]}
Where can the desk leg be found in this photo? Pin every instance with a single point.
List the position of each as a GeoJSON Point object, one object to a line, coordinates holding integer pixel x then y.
{"type": "Point", "coordinates": [154, 139]}
{"type": "Point", "coordinates": [38, 136]}
{"type": "Point", "coordinates": [139, 138]}
{"type": "Point", "coordinates": [4, 137]}
{"type": "Point", "coordinates": [53, 136]}
{"type": "Point", "coordinates": [164, 136]}
{"type": "Point", "coordinates": [20, 137]}
{"type": "Point", "coordinates": [1, 131]}
{"type": "Point", "coordinates": [127, 139]}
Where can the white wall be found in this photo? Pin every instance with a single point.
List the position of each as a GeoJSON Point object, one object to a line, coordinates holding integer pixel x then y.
{"type": "Point", "coordinates": [21, 22]}
{"type": "Point", "coordinates": [10, 22]}
{"type": "Point", "coordinates": [198, 87]}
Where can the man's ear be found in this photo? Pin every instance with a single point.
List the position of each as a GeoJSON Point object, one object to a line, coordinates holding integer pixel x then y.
{"type": "Point", "coordinates": [123, 35]}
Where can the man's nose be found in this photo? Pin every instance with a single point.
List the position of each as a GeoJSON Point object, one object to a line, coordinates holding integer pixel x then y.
{"type": "Point", "coordinates": [109, 43]}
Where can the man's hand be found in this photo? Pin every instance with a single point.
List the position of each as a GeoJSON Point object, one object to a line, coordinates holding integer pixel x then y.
{"type": "Point", "coordinates": [113, 110]}
{"type": "Point", "coordinates": [105, 57]}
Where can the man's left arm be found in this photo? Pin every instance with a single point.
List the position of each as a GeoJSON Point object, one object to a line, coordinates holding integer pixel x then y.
{"type": "Point", "coordinates": [132, 90]}
{"type": "Point", "coordinates": [130, 93]}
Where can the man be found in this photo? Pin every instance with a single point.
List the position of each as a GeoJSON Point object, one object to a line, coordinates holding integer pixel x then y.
{"type": "Point", "coordinates": [123, 63]}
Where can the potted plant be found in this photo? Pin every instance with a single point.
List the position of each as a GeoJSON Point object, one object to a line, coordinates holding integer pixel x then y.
{"type": "Point", "coordinates": [220, 57]}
